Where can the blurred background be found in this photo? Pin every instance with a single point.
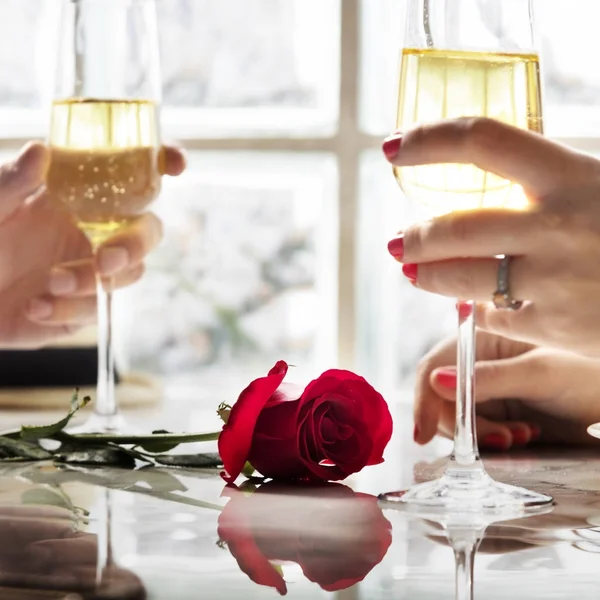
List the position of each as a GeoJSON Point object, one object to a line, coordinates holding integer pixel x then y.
{"type": "Point", "coordinates": [276, 235]}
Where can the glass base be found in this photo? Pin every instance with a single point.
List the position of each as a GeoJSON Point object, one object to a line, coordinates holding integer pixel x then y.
{"type": "Point", "coordinates": [96, 423]}
{"type": "Point", "coordinates": [476, 493]}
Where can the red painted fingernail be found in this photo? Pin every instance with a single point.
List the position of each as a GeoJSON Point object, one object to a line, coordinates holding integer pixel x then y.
{"type": "Point", "coordinates": [464, 309]}
{"type": "Point", "coordinates": [447, 378]}
{"type": "Point", "coordinates": [416, 433]}
{"type": "Point", "coordinates": [520, 437]}
{"type": "Point", "coordinates": [410, 272]}
{"type": "Point", "coordinates": [391, 146]}
{"type": "Point", "coordinates": [536, 433]}
{"type": "Point", "coordinates": [396, 247]}
{"type": "Point", "coordinates": [495, 441]}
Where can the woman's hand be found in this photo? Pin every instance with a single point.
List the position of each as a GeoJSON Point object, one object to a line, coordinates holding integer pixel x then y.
{"type": "Point", "coordinates": [524, 394]}
{"type": "Point", "coordinates": [555, 242]}
{"type": "Point", "coordinates": [47, 272]}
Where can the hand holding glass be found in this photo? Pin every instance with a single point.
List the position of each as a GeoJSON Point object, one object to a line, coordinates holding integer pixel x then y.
{"type": "Point", "coordinates": [104, 141]}
{"type": "Point", "coordinates": [467, 58]}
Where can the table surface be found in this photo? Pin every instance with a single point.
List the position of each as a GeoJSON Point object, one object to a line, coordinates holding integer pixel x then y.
{"type": "Point", "coordinates": [177, 533]}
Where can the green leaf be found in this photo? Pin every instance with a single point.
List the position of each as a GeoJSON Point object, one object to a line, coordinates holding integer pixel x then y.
{"type": "Point", "coordinates": [159, 447]}
{"type": "Point", "coordinates": [45, 497]}
{"type": "Point", "coordinates": [248, 470]}
{"type": "Point", "coordinates": [47, 431]}
{"type": "Point", "coordinates": [94, 439]}
{"type": "Point", "coordinates": [97, 456]}
{"type": "Point", "coordinates": [197, 461]}
{"type": "Point", "coordinates": [12, 449]}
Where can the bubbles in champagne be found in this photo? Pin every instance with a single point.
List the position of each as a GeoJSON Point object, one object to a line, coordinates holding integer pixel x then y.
{"type": "Point", "coordinates": [104, 162]}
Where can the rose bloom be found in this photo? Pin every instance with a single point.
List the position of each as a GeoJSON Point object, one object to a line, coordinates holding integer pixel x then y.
{"type": "Point", "coordinates": [335, 427]}
{"type": "Point", "coordinates": [335, 535]}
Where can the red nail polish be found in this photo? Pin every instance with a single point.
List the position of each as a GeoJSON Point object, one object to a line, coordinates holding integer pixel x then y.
{"type": "Point", "coordinates": [495, 441]}
{"type": "Point", "coordinates": [396, 247]}
{"type": "Point", "coordinates": [520, 437]}
{"type": "Point", "coordinates": [410, 272]}
{"type": "Point", "coordinates": [464, 310]}
{"type": "Point", "coordinates": [536, 433]}
{"type": "Point", "coordinates": [447, 378]}
{"type": "Point", "coordinates": [416, 433]}
{"type": "Point", "coordinates": [391, 146]}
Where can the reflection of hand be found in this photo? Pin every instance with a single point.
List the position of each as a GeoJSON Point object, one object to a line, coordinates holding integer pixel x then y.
{"type": "Point", "coordinates": [335, 535]}
{"type": "Point", "coordinates": [555, 242]}
{"type": "Point", "coordinates": [41, 549]}
{"type": "Point", "coordinates": [557, 394]}
{"type": "Point", "coordinates": [47, 281]}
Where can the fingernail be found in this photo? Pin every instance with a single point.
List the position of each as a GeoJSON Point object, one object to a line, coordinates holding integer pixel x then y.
{"type": "Point", "coordinates": [495, 441]}
{"type": "Point", "coordinates": [410, 272]}
{"type": "Point", "coordinates": [536, 433]}
{"type": "Point", "coordinates": [391, 146]}
{"type": "Point", "coordinates": [62, 282]}
{"type": "Point", "coordinates": [111, 260]}
{"type": "Point", "coordinates": [39, 309]}
{"type": "Point", "coordinates": [396, 247]}
{"type": "Point", "coordinates": [464, 309]}
{"type": "Point", "coordinates": [416, 433]}
{"type": "Point", "coordinates": [447, 378]}
{"type": "Point", "coordinates": [520, 437]}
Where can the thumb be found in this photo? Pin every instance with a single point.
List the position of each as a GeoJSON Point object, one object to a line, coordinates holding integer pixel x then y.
{"type": "Point", "coordinates": [522, 376]}
{"type": "Point", "coordinates": [21, 178]}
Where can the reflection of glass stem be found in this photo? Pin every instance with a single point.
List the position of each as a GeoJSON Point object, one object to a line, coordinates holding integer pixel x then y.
{"type": "Point", "coordinates": [464, 542]}
{"type": "Point", "coordinates": [105, 553]}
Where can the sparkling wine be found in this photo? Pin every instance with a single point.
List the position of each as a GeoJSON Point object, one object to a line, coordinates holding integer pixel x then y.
{"type": "Point", "coordinates": [104, 166]}
{"type": "Point", "coordinates": [441, 84]}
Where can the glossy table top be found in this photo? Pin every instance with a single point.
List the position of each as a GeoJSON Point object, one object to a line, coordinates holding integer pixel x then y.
{"type": "Point", "coordinates": [181, 534]}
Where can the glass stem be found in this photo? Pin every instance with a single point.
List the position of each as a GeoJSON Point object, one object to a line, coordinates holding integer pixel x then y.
{"type": "Point", "coordinates": [466, 453]}
{"type": "Point", "coordinates": [105, 405]}
{"type": "Point", "coordinates": [464, 556]}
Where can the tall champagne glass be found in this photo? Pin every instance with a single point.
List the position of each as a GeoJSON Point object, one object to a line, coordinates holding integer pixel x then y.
{"type": "Point", "coordinates": [104, 142]}
{"type": "Point", "coordinates": [467, 58]}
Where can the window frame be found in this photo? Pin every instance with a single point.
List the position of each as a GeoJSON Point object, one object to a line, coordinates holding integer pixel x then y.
{"type": "Point", "coordinates": [348, 142]}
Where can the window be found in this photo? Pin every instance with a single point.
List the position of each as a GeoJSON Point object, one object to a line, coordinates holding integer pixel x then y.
{"type": "Point", "coordinates": [276, 235]}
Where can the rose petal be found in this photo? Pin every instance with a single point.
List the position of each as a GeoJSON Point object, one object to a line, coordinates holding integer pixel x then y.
{"type": "Point", "coordinates": [236, 438]}
{"type": "Point", "coordinates": [235, 529]}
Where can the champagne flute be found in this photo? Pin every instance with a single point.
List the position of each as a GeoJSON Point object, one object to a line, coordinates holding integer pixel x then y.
{"type": "Point", "coordinates": [104, 142]}
{"type": "Point", "coordinates": [467, 58]}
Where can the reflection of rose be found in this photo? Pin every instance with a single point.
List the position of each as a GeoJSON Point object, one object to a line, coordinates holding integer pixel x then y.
{"type": "Point", "coordinates": [335, 535]}
{"type": "Point", "coordinates": [335, 427]}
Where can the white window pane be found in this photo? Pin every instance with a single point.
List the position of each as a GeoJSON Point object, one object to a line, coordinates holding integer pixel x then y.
{"type": "Point", "coordinates": [397, 324]}
{"type": "Point", "coordinates": [247, 274]}
{"type": "Point", "coordinates": [570, 45]}
{"type": "Point", "coordinates": [231, 68]}
{"type": "Point", "coordinates": [234, 67]}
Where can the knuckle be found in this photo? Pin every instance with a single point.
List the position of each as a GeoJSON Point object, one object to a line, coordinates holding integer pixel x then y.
{"type": "Point", "coordinates": [479, 132]}
{"type": "Point", "coordinates": [487, 375]}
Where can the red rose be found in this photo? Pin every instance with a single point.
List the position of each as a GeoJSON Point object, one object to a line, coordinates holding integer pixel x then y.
{"type": "Point", "coordinates": [335, 535]}
{"type": "Point", "coordinates": [335, 427]}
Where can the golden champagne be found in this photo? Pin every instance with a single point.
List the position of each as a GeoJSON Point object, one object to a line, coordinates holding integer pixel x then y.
{"type": "Point", "coordinates": [104, 162]}
{"type": "Point", "coordinates": [445, 84]}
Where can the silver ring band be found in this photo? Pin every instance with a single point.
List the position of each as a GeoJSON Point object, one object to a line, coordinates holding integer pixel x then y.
{"type": "Point", "coordinates": [502, 298]}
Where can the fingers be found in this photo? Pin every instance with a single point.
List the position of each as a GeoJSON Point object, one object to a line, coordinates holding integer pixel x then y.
{"type": "Point", "coordinates": [522, 325]}
{"type": "Point", "coordinates": [499, 436]}
{"type": "Point", "coordinates": [174, 161]}
{"type": "Point", "coordinates": [76, 307]}
{"type": "Point", "coordinates": [527, 158]}
{"type": "Point", "coordinates": [477, 234]}
{"type": "Point", "coordinates": [21, 178]}
{"type": "Point", "coordinates": [475, 279]}
{"type": "Point", "coordinates": [130, 246]}
{"type": "Point", "coordinates": [78, 279]}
